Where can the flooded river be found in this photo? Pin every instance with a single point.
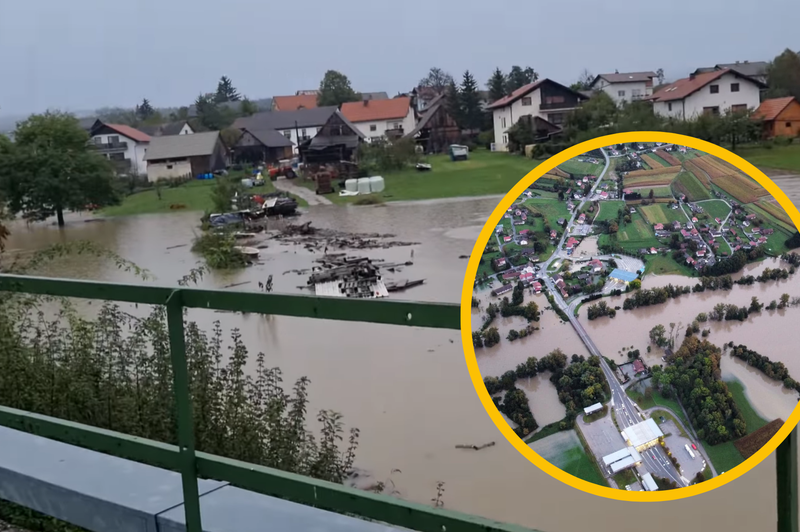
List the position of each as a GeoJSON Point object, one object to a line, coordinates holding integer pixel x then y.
{"type": "Point", "coordinates": [408, 390]}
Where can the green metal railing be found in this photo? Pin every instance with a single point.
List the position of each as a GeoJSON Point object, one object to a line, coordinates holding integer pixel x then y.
{"type": "Point", "coordinates": [320, 494]}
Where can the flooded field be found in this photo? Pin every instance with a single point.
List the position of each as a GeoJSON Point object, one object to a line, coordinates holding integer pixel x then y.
{"type": "Point", "coordinates": [408, 390]}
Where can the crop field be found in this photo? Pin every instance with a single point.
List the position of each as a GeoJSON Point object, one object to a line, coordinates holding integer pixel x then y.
{"type": "Point", "coordinates": [654, 161]}
{"type": "Point", "coordinates": [657, 171]}
{"type": "Point", "coordinates": [772, 207]}
{"type": "Point", "coordinates": [698, 173]}
{"type": "Point", "coordinates": [688, 184]}
{"type": "Point", "coordinates": [575, 167]}
{"type": "Point", "coordinates": [559, 172]}
{"type": "Point", "coordinates": [752, 443]}
{"type": "Point", "coordinates": [744, 189]}
{"type": "Point", "coordinates": [658, 192]}
{"type": "Point", "coordinates": [547, 180]}
{"type": "Point", "coordinates": [660, 213]}
{"type": "Point", "coordinates": [713, 166]}
{"type": "Point", "coordinates": [778, 223]}
{"type": "Point", "coordinates": [653, 180]}
{"type": "Point", "coordinates": [668, 158]}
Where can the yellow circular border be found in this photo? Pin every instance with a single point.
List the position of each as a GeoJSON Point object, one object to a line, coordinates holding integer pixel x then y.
{"type": "Point", "coordinates": [466, 315]}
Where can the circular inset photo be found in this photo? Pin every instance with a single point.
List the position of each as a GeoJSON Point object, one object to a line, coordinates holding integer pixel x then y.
{"type": "Point", "coordinates": [628, 316]}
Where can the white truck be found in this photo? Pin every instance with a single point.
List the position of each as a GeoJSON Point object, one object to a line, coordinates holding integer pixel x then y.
{"type": "Point", "coordinates": [689, 450]}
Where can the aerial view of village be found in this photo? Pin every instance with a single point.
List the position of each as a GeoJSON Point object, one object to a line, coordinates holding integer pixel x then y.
{"type": "Point", "coordinates": [626, 313]}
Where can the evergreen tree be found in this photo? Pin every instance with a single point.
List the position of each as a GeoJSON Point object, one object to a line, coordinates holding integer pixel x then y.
{"type": "Point", "coordinates": [470, 102]}
{"type": "Point", "coordinates": [226, 92]}
{"type": "Point", "coordinates": [497, 85]}
{"type": "Point", "coordinates": [453, 96]}
{"type": "Point", "coordinates": [145, 110]}
{"type": "Point", "coordinates": [247, 107]}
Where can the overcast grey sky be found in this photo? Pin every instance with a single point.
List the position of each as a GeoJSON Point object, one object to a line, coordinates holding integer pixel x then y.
{"type": "Point", "coordinates": [84, 54]}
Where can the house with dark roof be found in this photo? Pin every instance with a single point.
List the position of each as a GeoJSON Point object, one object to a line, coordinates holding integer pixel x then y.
{"type": "Point", "coordinates": [382, 119]}
{"type": "Point", "coordinates": [779, 116]}
{"type": "Point", "coordinates": [298, 126]}
{"type": "Point", "coordinates": [752, 69]}
{"type": "Point", "coordinates": [713, 92]}
{"type": "Point", "coordinates": [180, 127]}
{"type": "Point", "coordinates": [625, 87]}
{"type": "Point", "coordinates": [543, 100]}
{"type": "Point", "coordinates": [436, 129]}
{"type": "Point", "coordinates": [185, 155]}
{"type": "Point", "coordinates": [261, 146]}
{"type": "Point", "coordinates": [337, 140]}
{"type": "Point", "coordinates": [123, 145]}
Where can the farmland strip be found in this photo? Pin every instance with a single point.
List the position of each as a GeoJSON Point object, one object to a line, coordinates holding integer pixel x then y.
{"type": "Point", "coordinates": [669, 158]}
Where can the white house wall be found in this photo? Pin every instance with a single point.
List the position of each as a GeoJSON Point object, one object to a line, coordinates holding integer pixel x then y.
{"type": "Point", "coordinates": [749, 94]}
{"type": "Point", "coordinates": [613, 89]}
{"type": "Point", "coordinates": [378, 128]}
{"type": "Point", "coordinates": [507, 116]}
{"type": "Point", "coordinates": [186, 130]}
{"type": "Point", "coordinates": [165, 170]}
{"type": "Point", "coordinates": [135, 151]}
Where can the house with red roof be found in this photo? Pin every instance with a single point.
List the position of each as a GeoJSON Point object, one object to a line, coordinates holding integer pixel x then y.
{"type": "Point", "coordinates": [537, 286]}
{"type": "Point", "coordinates": [604, 195]}
{"type": "Point", "coordinates": [779, 117]}
{"type": "Point", "coordinates": [638, 367]}
{"type": "Point", "coordinates": [381, 119]}
{"type": "Point", "coordinates": [712, 92]}
{"type": "Point", "coordinates": [526, 277]}
{"type": "Point", "coordinates": [545, 101]}
{"type": "Point", "coordinates": [658, 227]}
{"type": "Point", "coordinates": [123, 145]}
{"type": "Point", "coordinates": [701, 252]}
{"type": "Point", "coordinates": [582, 218]}
{"type": "Point", "coordinates": [626, 86]}
{"type": "Point", "coordinates": [596, 265]}
{"type": "Point", "coordinates": [506, 239]}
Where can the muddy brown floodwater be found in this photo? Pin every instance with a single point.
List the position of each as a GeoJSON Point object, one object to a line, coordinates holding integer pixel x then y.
{"type": "Point", "coordinates": [408, 390]}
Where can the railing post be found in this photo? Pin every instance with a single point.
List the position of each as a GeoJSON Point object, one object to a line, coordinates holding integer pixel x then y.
{"type": "Point", "coordinates": [786, 461]}
{"type": "Point", "coordinates": [183, 404]}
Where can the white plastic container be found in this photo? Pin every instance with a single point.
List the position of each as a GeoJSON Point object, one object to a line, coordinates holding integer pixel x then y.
{"type": "Point", "coordinates": [363, 186]}
{"type": "Point", "coordinates": [376, 184]}
{"type": "Point", "coordinates": [351, 185]}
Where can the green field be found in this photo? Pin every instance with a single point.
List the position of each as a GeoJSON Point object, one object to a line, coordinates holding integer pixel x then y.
{"type": "Point", "coordinates": [660, 265]}
{"type": "Point", "coordinates": [484, 173]}
{"type": "Point", "coordinates": [658, 159]}
{"type": "Point", "coordinates": [688, 184]}
{"type": "Point", "coordinates": [551, 210]}
{"type": "Point", "coordinates": [653, 398]}
{"type": "Point", "coordinates": [609, 210]}
{"type": "Point", "coordinates": [195, 195]}
{"type": "Point", "coordinates": [567, 451]}
{"type": "Point", "coordinates": [661, 213]}
{"type": "Point", "coordinates": [779, 157]}
{"type": "Point", "coordinates": [624, 478]}
{"type": "Point", "coordinates": [637, 234]}
{"type": "Point", "coordinates": [716, 208]}
{"type": "Point", "coordinates": [725, 456]}
{"type": "Point", "coordinates": [576, 167]}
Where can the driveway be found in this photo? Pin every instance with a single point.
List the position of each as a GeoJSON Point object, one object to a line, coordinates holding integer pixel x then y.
{"type": "Point", "coordinates": [602, 437]}
{"type": "Point", "coordinates": [676, 444]}
{"type": "Point", "coordinates": [286, 185]}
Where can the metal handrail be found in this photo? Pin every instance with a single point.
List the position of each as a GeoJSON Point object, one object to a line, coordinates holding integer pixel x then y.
{"type": "Point", "coordinates": [311, 492]}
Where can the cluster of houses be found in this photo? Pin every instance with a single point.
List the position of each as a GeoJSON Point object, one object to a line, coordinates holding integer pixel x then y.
{"type": "Point", "coordinates": [708, 90]}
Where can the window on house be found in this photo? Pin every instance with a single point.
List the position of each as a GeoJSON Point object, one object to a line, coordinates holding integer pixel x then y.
{"type": "Point", "coordinates": [669, 107]}
{"type": "Point", "coordinates": [636, 93]}
{"type": "Point", "coordinates": [304, 133]}
{"type": "Point", "coordinates": [621, 94]}
{"type": "Point", "coordinates": [373, 127]}
{"type": "Point", "coordinates": [714, 89]}
{"type": "Point", "coordinates": [505, 139]}
{"type": "Point", "coordinates": [788, 124]}
{"type": "Point", "coordinates": [711, 110]}
{"type": "Point", "coordinates": [526, 100]}
{"type": "Point", "coordinates": [556, 118]}
{"type": "Point", "coordinates": [554, 99]}
{"type": "Point", "coordinates": [288, 133]}
{"type": "Point", "coordinates": [117, 156]}
{"type": "Point", "coordinates": [739, 108]}
{"type": "Point", "coordinates": [734, 87]}
{"type": "Point", "coordinates": [113, 139]}
{"type": "Point", "coordinates": [169, 167]}
{"type": "Point", "coordinates": [504, 122]}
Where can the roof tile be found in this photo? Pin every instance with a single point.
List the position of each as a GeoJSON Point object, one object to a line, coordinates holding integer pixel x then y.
{"type": "Point", "coordinates": [129, 132]}
{"type": "Point", "coordinates": [293, 103]}
{"type": "Point", "coordinates": [770, 109]}
{"type": "Point", "coordinates": [373, 110]}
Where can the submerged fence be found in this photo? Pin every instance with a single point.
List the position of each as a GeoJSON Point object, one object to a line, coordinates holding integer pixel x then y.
{"type": "Point", "coordinates": [316, 493]}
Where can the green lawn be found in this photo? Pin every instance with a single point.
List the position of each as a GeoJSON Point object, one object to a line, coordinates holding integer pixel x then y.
{"type": "Point", "coordinates": [653, 398]}
{"type": "Point", "coordinates": [751, 417]}
{"type": "Point", "coordinates": [716, 208]}
{"type": "Point", "coordinates": [579, 463]}
{"type": "Point", "coordinates": [637, 234]}
{"type": "Point", "coordinates": [575, 167]}
{"type": "Point", "coordinates": [779, 157]}
{"type": "Point", "coordinates": [775, 222]}
{"type": "Point", "coordinates": [551, 210]}
{"type": "Point", "coordinates": [660, 265]}
{"type": "Point", "coordinates": [723, 247]}
{"type": "Point", "coordinates": [484, 173]}
{"type": "Point", "coordinates": [658, 414]}
{"type": "Point", "coordinates": [609, 210]}
{"type": "Point", "coordinates": [624, 478]}
{"type": "Point", "coordinates": [195, 195]}
{"type": "Point", "coordinates": [662, 213]}
{"type": "Point", "coordinates": [688, 184]}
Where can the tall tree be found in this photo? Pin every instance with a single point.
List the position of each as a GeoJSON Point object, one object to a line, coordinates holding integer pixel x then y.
{"type": "Point", "coordinates": [496, 85]}
{"type": "Point", "coordinates": [470, 103]}
{"type": "Point", "coordinates": [783, 75]}
{"type": "Point", "coordinates": [226, 92]}
{"type": "Point", "coordinates": [519, 77]}
{"type": "Point", "coordinates": [52, 168]}
{"type": "Point", "coordinates": [210, 114]}
{"type": "Point", "coordinates": [247, 107]}
{"type": "Point", "coordinates": [437, 79]}
{"type": "Point", "coordinates": [584, 81]}
{"type": "Point", "coordinates": [736, 127]}
{"type": "Point", "coordinates": [335, 89]}
{"type": "Point", "coordinates": [453, 97]}
{"type": "Point", "coordinates": [660, 76]}
{"type": "Point", "coordinates": [144, 110]}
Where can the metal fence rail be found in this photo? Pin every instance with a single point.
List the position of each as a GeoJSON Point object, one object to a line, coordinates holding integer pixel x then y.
{"type": "Point", "coordinates": [320, 494]}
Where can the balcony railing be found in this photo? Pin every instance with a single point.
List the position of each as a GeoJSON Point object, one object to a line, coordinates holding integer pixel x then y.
{"type": "Point", "coordinates": [110, 146]}
{"type": "Point", "coordinates": [553, 106]}
{"type": "Point", "coordinates": [311, 492]}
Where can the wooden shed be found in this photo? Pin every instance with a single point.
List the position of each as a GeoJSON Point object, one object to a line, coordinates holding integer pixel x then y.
{"type": "Point", "coordinates": [436, 129]}
{"type": "Point", "coordinates": [261, 146]}
{"type": "Point", "coordinates": [781, 117]}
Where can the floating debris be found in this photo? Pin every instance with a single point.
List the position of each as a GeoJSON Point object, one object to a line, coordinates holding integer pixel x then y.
{"type": "Point", "coordinates": [476, 447]}
{"type": "Point", "coordinates": [315, 239]}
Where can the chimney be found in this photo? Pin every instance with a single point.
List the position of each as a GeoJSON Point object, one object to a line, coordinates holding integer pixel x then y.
{"type": "Point", "coordinates": [692, 75]}
{"type": "Point", "coordinates": [616, 71]}
{"type": "Point", "coordinates": [366, 103]}
{"type": "Point", "coordinates": [745, 62]}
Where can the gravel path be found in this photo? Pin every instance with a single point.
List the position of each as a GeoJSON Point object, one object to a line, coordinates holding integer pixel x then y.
{"type": "Point", "coordinates": [286, 185]}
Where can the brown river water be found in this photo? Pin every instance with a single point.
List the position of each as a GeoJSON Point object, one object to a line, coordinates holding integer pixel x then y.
{"type": "Point", "coordinates": [408, 390]}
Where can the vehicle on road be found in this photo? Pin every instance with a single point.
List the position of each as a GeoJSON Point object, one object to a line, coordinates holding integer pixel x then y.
{"type": "Point", "coordinates": [688, 450]}
{"type": "Point", "coordinates": [694, 447]}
